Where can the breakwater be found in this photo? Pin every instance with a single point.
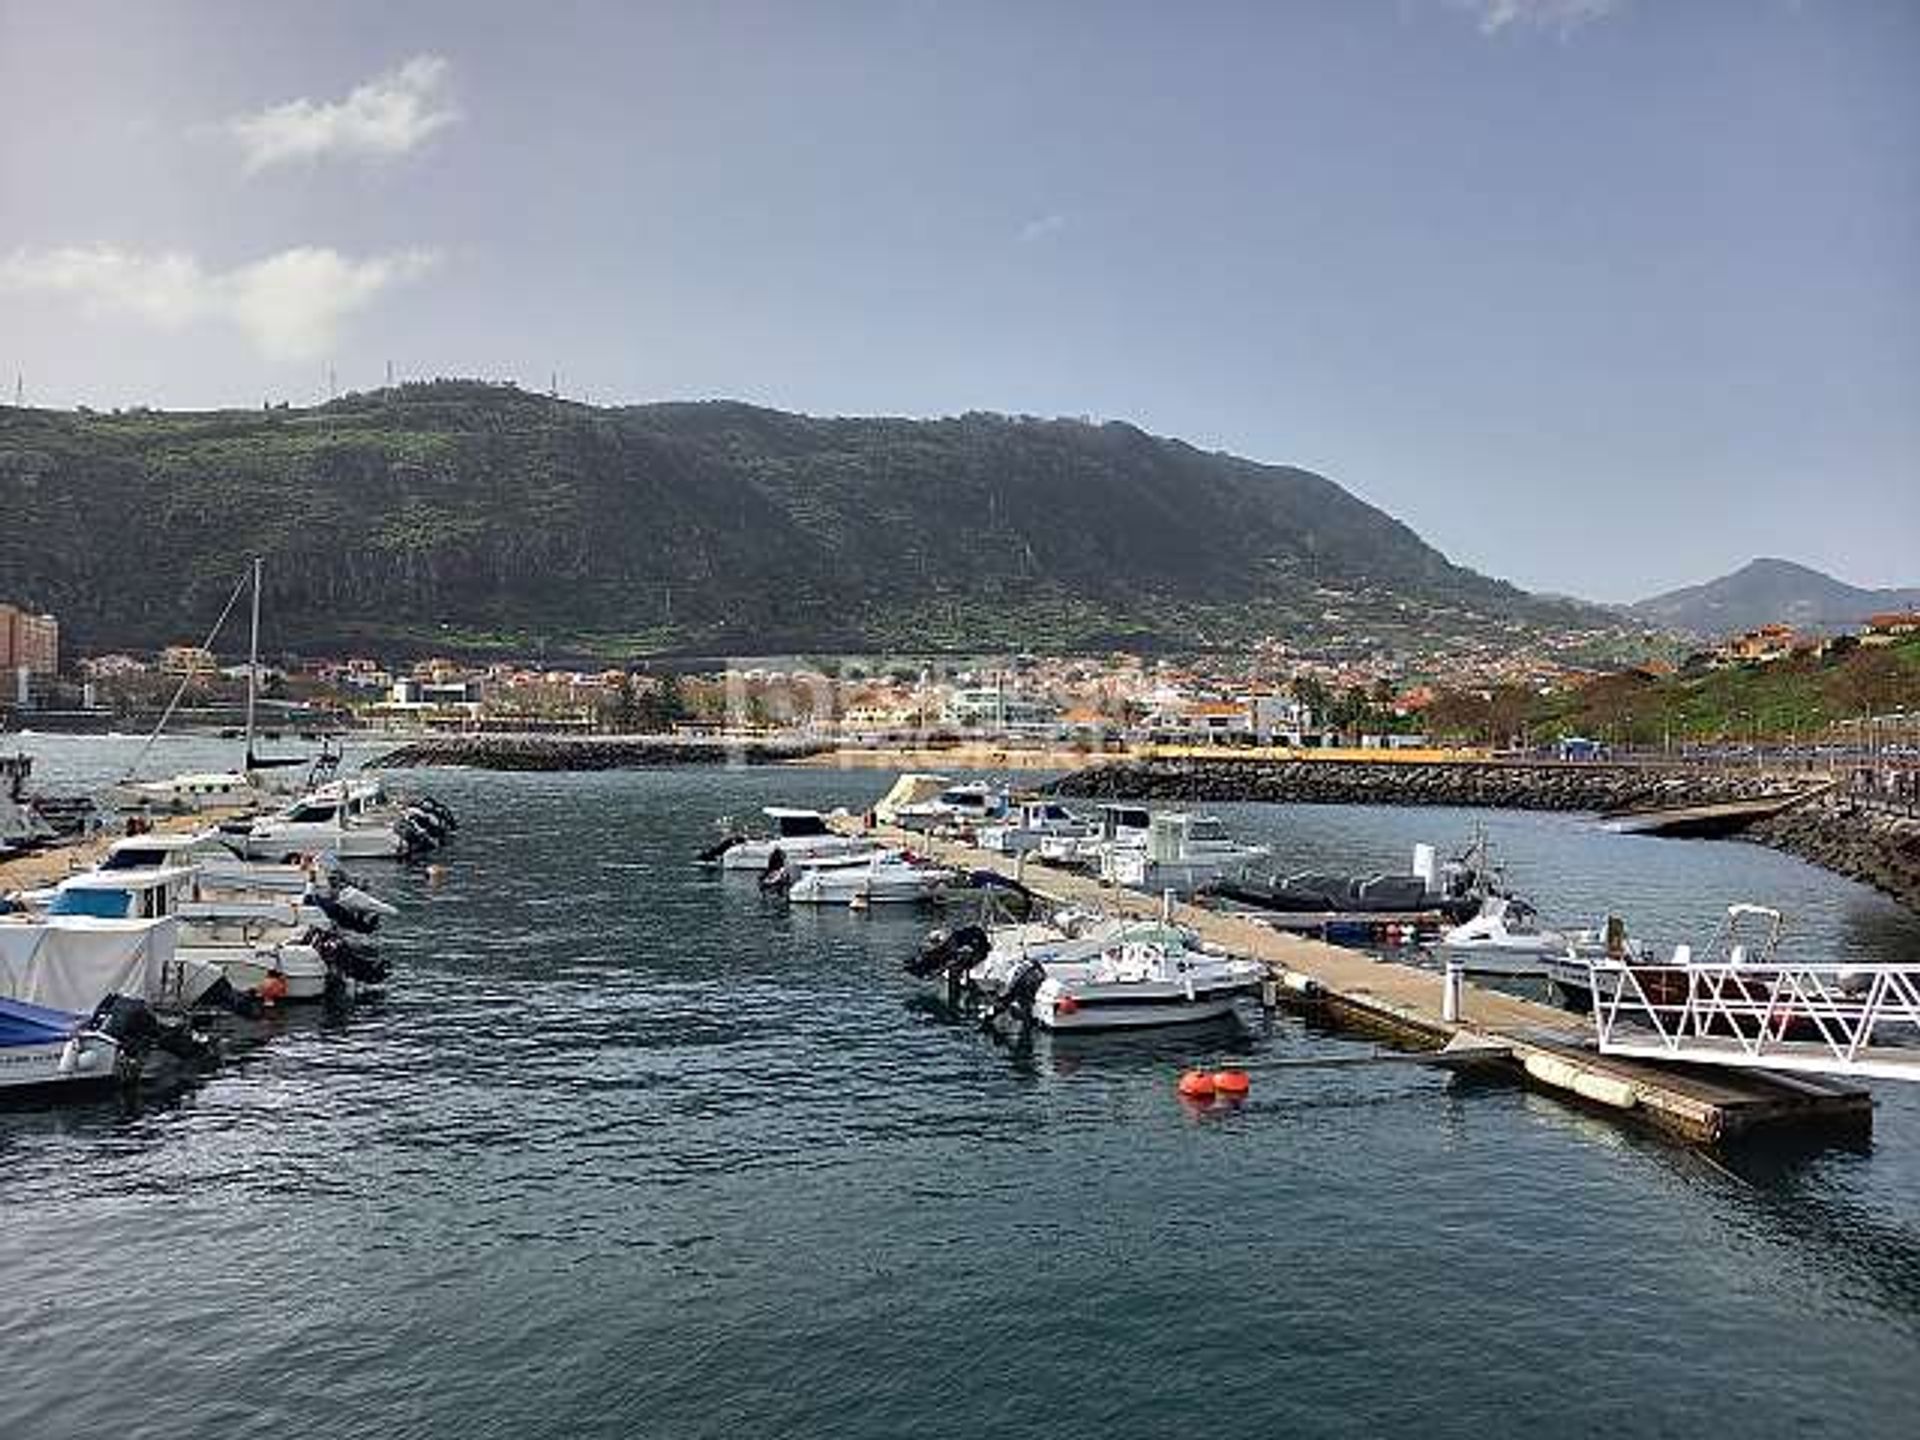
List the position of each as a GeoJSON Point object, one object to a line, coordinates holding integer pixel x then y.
{"type": "Point", "coordinates": [584, 752]}
{"type": "Point", "coordinates": [1831, 831]}
{"type": "Point", "coordinates": [1494, 784]}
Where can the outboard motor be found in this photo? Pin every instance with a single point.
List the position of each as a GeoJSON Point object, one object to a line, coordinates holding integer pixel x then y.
{"type": "Point", "coordinates": [776, 876]}
{"type": "Point", "coordinates": [429, 822]}
{"type": "Point", "coordinates": [713, 852]}
{"type": "Point", "coordinates": [950, 952]}
{"type": "Point", "coordinates": [129, 1022]}
{"type": "Point", "coordinates": [414, 839]}
{"type": "Point", "coordinates": [350, 961]}
{"type": "Point", "coordinates": [439, 811]}
{"type": "Point", "coordinates": [1022, 985]}
{"type": "Point", "coordinates": [346, 917]}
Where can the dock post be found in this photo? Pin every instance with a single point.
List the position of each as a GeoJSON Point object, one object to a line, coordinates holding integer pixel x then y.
{"type": "Point", "coordinates": [1450, 993]}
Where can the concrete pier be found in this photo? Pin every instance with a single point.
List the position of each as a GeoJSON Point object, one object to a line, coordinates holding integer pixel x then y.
{"type": "Point", "coordinates": [1549, 1048]}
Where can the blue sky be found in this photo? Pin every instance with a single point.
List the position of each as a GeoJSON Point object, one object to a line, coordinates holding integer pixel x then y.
{"type": "Point", "coordinates": [1602, 296]}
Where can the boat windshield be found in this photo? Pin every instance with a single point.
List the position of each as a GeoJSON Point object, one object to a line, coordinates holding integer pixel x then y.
{"type": "Point", "coordinates": [134, 859]}
{"type": "Point", "coordinates": [1207, 830]}
{"type": "Point", "coordinates": [97, 903]}
{"type": "Point", "coordinates": [312, 814]}
{"type": "Point", "coordinates": [793, 826]}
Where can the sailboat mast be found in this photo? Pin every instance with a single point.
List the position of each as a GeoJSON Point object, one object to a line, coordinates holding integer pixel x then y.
{"type": "Point", "coordinates": [253, 659]}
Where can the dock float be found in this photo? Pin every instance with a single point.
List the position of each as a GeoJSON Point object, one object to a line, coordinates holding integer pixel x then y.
{"type": "Point", "coordinates": [1550, 1049]}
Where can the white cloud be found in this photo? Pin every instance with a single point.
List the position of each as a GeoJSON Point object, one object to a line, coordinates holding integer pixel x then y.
{"type": "Point", "coordinates": [1564, 16]}
{"type": "Point", "coordinates": [1042, 226]}
{"type": "Point", "coordinates": [389, 115]}
{"type": "Point", "coordinates": [290, 305]}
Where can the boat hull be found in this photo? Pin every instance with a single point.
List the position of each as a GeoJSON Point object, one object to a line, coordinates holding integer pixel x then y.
{"type": "Point", "coordinates": [1134, 1012]}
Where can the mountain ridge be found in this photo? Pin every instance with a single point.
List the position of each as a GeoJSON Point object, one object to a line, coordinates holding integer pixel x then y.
{"type": "Point", "coordinates": [1767, 590]}
{"type": "Point", "coordinates": [469, 516]}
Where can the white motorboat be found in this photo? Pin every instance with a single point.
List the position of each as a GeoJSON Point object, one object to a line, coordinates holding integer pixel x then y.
{"type": "Point", "coordinates": [279, 947]}
{"type": "Point", "coordinates": [798, 836]}
{"type": "Point", "coordinates": [1505, 937]}
{"type": "Point", "coordinates": [354, 819]}
{"type": "Point", "coordinates": [1182, 853]}
{"type": "Point", "coordinates": [1086, 972]}
{"type": "Point", "coordinates": [78, 1001]}
{"type": "Point", "coordinates": [965, 806]}
{"type": "Point", "coordinates": [913, 787]}
{"type": "Point", "coordinates": [885, 877]}
{"type": "Point", "coordinates": [1120, 826]}
{"type": "Point", "coordinates": [1032, 824]}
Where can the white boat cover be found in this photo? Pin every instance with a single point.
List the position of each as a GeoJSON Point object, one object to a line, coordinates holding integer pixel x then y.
{"type": "Point", "coordinates": [72, 963]}
{"type": "Point", "coordinates": [910, 789]}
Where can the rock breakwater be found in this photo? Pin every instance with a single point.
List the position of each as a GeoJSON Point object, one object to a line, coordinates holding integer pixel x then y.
{"type": "Point", "coordinates": [583, 752]}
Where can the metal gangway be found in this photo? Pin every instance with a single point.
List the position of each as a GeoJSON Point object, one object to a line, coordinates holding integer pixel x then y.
{"type": "Point", "coordinates": [1743, 1005]}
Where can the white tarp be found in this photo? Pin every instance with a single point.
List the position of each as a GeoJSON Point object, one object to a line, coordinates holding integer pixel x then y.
{"type": "Point", "coordinates": [72, 963]}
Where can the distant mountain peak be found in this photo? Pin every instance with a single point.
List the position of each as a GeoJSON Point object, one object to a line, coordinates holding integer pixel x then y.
{"type": "Point", "coordinates": [1766, 590]}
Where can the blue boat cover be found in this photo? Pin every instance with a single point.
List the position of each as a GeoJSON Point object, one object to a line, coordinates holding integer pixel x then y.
{"type": "Point", "coordinates": [24, 1024]}
{"type": "Point", "coordinates": [101, 904]}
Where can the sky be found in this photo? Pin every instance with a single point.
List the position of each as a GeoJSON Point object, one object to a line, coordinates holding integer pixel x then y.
{"type": "Point", "coordinates": [1599, 296]}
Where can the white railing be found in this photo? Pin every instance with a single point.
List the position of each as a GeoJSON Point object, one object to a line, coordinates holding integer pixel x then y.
{"type": "Point", "coordinates": [1861, 1020]}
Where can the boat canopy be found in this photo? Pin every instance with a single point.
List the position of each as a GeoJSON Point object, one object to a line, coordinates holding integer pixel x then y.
{"type": "Point", "coordinates": [73, 964]}
{"type": "Point", "coordinates": [912, 788]}
{"type": "Point", "coordinates": [791, 823]}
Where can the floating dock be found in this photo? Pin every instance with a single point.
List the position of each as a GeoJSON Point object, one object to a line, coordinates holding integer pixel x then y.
{"type": "Point", "coordinates": [1549, 1048]}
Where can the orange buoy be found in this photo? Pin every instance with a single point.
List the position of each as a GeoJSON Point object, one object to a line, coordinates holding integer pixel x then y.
{"type": "Point", "coordinates": [1231, 1082]}
{"type": "Point", "coordinates": [1196, 1085]}
{"type": "Point", "coordinates": [273, 989]}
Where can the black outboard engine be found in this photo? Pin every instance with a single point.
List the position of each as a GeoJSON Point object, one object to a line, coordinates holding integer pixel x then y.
{"type": "Point", "coordinates": [429, 822]}
{"type": "Point", "coordinates": [439, 811]}
{"type": "Point", "coordinates": [415, 840]}
{"type": "Point", "coordinates": [361, 922]}
{"type": "Point", "coordinates": [950, 952]}
{"type": "Point", "coordinates": [128, 1022]}
{"type": "Point", "coordinates": [349, 961]}
{"type": "Point", "coordinates": [776, 876]}
{"type": "Point", "coordinates": [713, 852]}
{"type": "Point", "coordinates": [1022, 985]}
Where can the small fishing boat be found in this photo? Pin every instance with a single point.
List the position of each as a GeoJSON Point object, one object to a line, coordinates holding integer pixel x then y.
{"type": "Point", "coordinates": [272, 946]}
{"type": "Point", "coordinates": [1182, 853]}
{"type": "Point", "coordinates": [964, 806]}
{"type": "Point", "coordinates": [798, 835]}
{"type": "Point", "coordinates": [1083, 971]}
{"type": "Point", "coordinates": [1118, 826]}
{"type": "Point", "coordinates": [87, 1002]}
{"type": "Point", "coordinates": [885, 877]}
{"type": "Point", "coordinates": [354, 819]}
{"type": "Point", "coordinates": [1032, 824]}
{"type": "Point", "coordinates": [1505, 937]}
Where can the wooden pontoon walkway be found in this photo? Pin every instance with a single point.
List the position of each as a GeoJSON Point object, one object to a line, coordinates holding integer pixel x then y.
{"type": "Point", "coordinates": [1552, 1048]}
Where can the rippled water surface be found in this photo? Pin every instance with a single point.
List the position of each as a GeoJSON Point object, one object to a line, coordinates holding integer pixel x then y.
{"type": "Point", "coordinates": [630, 1151]}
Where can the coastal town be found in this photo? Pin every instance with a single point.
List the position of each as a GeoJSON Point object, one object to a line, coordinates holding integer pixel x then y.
{"type": "Point", "coordinates": [1269, 695]}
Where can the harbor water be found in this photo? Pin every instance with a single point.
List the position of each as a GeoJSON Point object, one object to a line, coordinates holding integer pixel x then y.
{"type": "Point", "coordinates": [630, 1150]}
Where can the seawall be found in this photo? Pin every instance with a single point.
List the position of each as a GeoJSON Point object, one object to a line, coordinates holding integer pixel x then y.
{"type": "Point", "coordinates": [582, 752]}
{"type": "Point", "coordinates": [1877, 847]}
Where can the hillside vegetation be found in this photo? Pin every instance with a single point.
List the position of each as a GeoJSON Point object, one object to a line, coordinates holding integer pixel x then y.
{"type": "Point", "coordinates": [460, 516]}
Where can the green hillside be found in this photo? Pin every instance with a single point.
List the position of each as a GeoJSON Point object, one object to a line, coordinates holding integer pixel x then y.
{"type": "Point", "coordinates": [460, 516]}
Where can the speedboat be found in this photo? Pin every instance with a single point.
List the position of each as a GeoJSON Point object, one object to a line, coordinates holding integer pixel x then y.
{"type": "Point", "coordinates": [798, 835]}
{"type": "Point", "coordinates": [1081, 971]}
{"type": "Point", "coordinates": [355, 819]}
{"type": "Point", "coordinates": [1505, 937]}
{"type": "Point", "coordinates": [1030, 825]}
{"type": "Point", "coordinates": [885, 877]}
{"type": "Point", "coordinates": [85, 1002]}
{"type": "Point", "coordinates": [1182, 853]}
{"type": "Point", "coordinates": [969, 804]}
